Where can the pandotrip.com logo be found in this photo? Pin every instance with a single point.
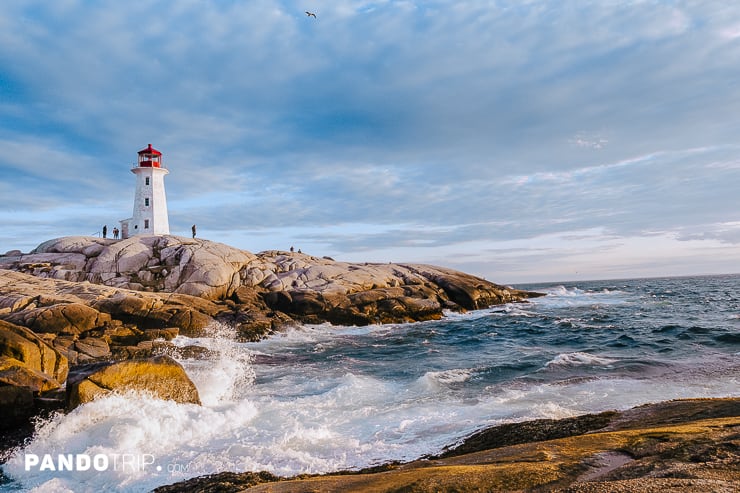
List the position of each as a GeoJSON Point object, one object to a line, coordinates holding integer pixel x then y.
{"type": "Point", "coordinates": [100, 463]}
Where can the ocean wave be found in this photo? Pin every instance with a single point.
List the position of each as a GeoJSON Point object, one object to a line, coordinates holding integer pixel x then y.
{"type": "Point", "coordinates": [133, 424]}
{"type": "Point", "coordinates": [562, 296]}
{"type": "Point", "coordinates": [439, 384]}
{"type": "Point", "coordinates": [578, 359]}
{"type": "Point", "coordinates": [226, 373]}
{"type": "Point", "coordinates": [448, 377]}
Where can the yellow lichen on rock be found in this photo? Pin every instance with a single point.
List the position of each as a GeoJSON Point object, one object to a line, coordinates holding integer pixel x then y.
{"type": "Point", "coordinates": [161, 376]}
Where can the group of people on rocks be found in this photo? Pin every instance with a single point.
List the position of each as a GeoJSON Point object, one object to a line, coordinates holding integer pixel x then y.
{"type": "Point", "coordinates": [105, 232]}
{"type": "Point", "coordinates": [116, 232]}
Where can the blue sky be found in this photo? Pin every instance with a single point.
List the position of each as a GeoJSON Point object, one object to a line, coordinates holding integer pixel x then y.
{"type": "Point", "coordinates": [521, 141]}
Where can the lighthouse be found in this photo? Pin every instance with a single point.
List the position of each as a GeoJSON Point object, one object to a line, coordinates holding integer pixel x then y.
{"type": "Point", "coordinates": [150, 202]}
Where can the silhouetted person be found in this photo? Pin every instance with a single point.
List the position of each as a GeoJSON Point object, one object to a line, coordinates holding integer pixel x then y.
{"type": "Point", "coordinates": [193, 228]}
{"type": "Point", "coordinates": [292, 249]}
{"type": "Point", "coordinates": [105, 231]}
{"type": "Point", "coordinates": [115, 233]}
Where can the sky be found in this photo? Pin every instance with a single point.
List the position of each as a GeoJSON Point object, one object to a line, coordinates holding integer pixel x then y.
{"type": "Point", "coordinates": [520, 141]}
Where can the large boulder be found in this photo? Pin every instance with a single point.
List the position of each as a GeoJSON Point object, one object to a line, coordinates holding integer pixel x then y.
{"type": "Point", "coordinates": [63, 318]}
{"type": "Point", "coordinates": [161, 376]}
{"type": "Point", "coordinates": [18, 374]}
{"type": "Point", "coordinates": [380, 305]}
{"type": "Point", "coordinates": [167, 263]}
{"type": "Point", "coordinates": [76, 308]}
{"type": "Point", "coordinates": [315, 290]}
{"type": "Point", "coordinates": [28, 367]}
{"type": "Point", "coordinates": [28, 355]}
{"type": "Point", "coordinates": [148, 310]}
{"type": "Point", "coordinates": [469, 292]}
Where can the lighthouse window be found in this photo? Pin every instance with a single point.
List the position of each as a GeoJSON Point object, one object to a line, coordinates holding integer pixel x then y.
{"type": "Point", "coordinates": [146, 202]}
{"type": "Point", "coordinates": [147, 180]}
{"type": "Point", "coordinates": [146, 223]}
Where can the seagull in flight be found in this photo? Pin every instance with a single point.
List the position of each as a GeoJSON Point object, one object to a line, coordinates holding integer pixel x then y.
{"type": "Point", "coordinates": [310, 14]}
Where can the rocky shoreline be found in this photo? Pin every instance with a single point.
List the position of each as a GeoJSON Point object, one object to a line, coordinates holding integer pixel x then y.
{"type": "Point", "coordinates": [83, 316]}
{"type": "Point", "coordinates": [683, 446]}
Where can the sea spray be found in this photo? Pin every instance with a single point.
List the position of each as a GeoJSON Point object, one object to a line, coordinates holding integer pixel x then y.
{"type": "Point", "coordinates": [142, 440]}
{"type": "Point", "coordinates": [227, 373]}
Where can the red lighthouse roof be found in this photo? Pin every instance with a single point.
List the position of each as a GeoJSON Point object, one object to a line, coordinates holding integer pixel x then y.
{"type": "Point", "coordinates": [150, 150]}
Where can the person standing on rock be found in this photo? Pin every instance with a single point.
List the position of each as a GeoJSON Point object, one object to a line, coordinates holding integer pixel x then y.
{"type": "Point", "coordinates": [105, 230]}
{"type": "Point", "coordinates": [193, 228]}
{"type": "Point", "coordinates": [115, 233]}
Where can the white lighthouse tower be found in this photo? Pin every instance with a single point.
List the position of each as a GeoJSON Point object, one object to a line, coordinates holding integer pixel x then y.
{"type": "Point", "coordinates": [150, 202]}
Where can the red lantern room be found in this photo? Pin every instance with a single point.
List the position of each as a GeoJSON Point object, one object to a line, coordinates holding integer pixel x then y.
{"type": "Point", "coordinates": [150, 158]}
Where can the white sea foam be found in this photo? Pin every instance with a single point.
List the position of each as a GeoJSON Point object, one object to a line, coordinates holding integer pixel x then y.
{"type": "Point", "coordinates": [227, 374]}
{"type": "Point", "coordinates": [136, 425]}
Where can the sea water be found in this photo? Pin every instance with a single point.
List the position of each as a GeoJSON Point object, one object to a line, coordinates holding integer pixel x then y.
{"type": "Point", "coordinates": [315, 399]}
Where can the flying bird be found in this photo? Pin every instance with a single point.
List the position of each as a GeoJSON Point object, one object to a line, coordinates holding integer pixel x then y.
{"type": "Point", "coordinates": [310, 14]}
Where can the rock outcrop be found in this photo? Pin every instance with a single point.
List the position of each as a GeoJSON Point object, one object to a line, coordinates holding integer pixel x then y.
{"type": "Point", "coordinates": [82, 300]}
{"type": "Point", "coordinates": [27, 361]}
{"type": "Point", "coordinates": [142, 263]}
{"type": "Point", "coordinates": [269, 288]}
{"type": "Point", "coordinates": [29, 369]}
{"type": "Point", "coordinates": [161, 376]}
{"type": "Point", "coordinates": [87, 322]}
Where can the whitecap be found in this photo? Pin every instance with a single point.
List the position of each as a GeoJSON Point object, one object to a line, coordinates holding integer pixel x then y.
{"type": "Point", "coordinates": [579, 359]}
{"type": "Point", "coordinates": [434, 381]}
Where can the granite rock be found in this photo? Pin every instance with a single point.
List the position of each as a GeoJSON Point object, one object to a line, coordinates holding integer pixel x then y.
{"type": "Point", "coordinates": [215, 271]}
{"type": "Point", "coordinates": [161, 376]}
{"type": "Point", "coordinates": [153, 282]}
{"type": "Point", "coordinates": [25, 350]}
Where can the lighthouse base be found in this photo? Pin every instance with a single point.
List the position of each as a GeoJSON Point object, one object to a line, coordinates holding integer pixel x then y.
{"type": "Point", "coordinates": [124, 227]}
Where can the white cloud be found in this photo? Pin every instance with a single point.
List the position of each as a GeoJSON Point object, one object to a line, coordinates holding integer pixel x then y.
{"type": "Point", "coordinates": [437, 124]}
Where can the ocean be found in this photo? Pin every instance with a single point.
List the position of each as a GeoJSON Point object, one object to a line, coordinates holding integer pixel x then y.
{"type": "Point", "coordinates": [315, 399]}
